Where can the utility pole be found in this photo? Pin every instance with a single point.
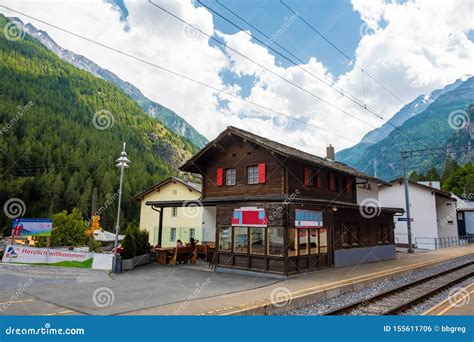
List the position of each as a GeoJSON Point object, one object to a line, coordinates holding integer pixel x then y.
{"type": "Point", "coordinates": [418, 153]}
{"type": "Point", "coordinates": [404, 155]}
{"type": "Point", "coordinates": [93, 210]}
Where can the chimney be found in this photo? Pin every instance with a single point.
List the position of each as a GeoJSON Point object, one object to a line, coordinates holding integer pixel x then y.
{"type": "Point", "coordinates": [330, 152]}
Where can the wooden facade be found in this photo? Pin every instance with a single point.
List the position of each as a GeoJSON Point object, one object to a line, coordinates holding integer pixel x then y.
{"type": "Point", "coordinates": [244, 172]}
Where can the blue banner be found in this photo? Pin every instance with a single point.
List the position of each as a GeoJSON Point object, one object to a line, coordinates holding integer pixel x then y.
{"type": "Point", "coordinates": [241, 329]}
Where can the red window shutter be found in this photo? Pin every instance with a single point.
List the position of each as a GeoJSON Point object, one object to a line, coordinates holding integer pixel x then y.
{"type": "Point", "coordinates": [261, 173]}
{"type": "Point", "coordinates": [306, 176]}
{"type": "Point", "coordinates": [220, 176]}
{"type": "Point", "coordinates": [318, 180]}
{"type": "Point", "coordinates": [348, 184]}
{"type": "Point", "coordinates": [332, 182]}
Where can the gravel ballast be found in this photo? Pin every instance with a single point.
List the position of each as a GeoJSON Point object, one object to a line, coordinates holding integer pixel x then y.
{"type": "Point", "coordinates": [322, 307]}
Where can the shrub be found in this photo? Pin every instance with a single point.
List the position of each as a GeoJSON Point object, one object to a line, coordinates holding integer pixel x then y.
{"type": "Point", "coordinates": [129, 244]}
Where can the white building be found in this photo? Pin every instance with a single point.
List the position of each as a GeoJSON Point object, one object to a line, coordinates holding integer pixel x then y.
{"type": "Point", "coordinates": [465, 210]}
{"type": "Point", "coordinates": [433, 213]}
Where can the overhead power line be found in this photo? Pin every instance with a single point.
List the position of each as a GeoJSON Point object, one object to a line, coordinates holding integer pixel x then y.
{"type": "Point", "coordinates": [259, 64]}
{"type": "Point", "coordinates": [341, 52]}
{"type": "Point", "coordinates": [274, 73]}
{"type": "Point", "coordinates": [341, 92]}
{"type": "Point", "coordinates": [175, 73]}
{"type": "Point", "coordinates": [314, 75]}
{"type": "Point", "coordinates": [356, 65]}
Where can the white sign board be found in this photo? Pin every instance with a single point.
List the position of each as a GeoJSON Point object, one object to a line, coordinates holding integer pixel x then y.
{"type": "Point", "coordinates": [56, 257]}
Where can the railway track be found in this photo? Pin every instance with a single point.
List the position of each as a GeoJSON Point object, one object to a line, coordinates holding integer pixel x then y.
{"type": "Point", "coordinates": [399, 299]}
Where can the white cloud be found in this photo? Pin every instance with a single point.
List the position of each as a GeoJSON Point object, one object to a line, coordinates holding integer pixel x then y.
{"type": "Point", "coordinates": [411, 48]}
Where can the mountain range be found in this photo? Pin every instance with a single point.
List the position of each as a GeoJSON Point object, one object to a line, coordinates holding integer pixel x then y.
{"type": "Point", "coordinates": [169, 118]}
{"type": "Point", "coordinates": [428, 121]}
{"type": "Point", "coordinates": [61, 130]}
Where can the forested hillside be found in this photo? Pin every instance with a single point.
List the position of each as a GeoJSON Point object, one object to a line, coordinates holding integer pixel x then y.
{"type": "Point", "coordinates": [61, 129]}
{"type": "Point", "coordinates": [169, 118]}
{"type": "Point", "coordinates": [445, 122]}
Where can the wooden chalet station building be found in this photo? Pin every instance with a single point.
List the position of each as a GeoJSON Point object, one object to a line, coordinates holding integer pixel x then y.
{"type": "Point", "coordinates": [274, 209]}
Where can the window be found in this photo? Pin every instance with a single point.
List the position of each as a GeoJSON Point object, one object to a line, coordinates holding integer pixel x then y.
{"type": "Point", "coordinates": [308, 180]}
{"type": "Point", "coordinates": [172, 234]}
{"type": "Point", "coordinates": [323, 240]}
{"type": "Point", "coordinates": [311, 177]}
{"type": "Point", "coordinates": [192, 233]}
{"type": "Point", "coordinates": [224, 239]}
{"type": "Point", "coordinates": [240, 239]}
{"type": "Point", "coordinates": [174, 212]}
{"type": "Point", "coordinates": [313, 241]}
{"type": "Point", "coordinates": [350, 234]}
{"type": "Point", "coordinates": [252, 174]}
{"type": "Point", "coordinates": [380, 234]}
{"type": "Point", "coordinates": [230, 177]}
{"type": "Point", "coordinates": [332, 182]}
{"type": "Point", "coordinates": [257, 241]}
{"type": "Point", "coordinates": [348, 186]}
{"type": "Point", "coordinates": [275, 241]}
{"type": "Point", "coordinates": [292, 242]}
{"type": "Point", "coordinates": [175, 192]}
{"type": "Point", "coordinates": [303, 243]}
{"type": "Point", "coordinates": [385, 234]}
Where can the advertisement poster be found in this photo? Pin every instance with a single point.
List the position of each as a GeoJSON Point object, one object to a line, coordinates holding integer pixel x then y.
{"type": "Point", "coordinates": [308, 219]}
{"type": "Point", "coordinates": [32, 227]}
{"type": "Point", "coordinates": [47, 256]}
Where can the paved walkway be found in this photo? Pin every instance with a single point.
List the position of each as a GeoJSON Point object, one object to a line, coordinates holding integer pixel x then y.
{"type": "Point", "coordinates": [166, 290]}
{"type": "Point", "coordinates": [460, 303]}
{"type": "Point", "coordinates": [39, 290]}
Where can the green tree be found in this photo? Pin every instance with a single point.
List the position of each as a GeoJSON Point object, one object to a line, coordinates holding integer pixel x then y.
{"type": "Point", "coordinates": [129, 244]}
{"type": "Point", "coordinates": [68, 230]}
{"type": "Point", "coordinates": [54, 154]}
{"type": "Point", "coordinates": [461, 181]}
{"type": "Point", "coordinates": [414, 177]}
{"type": "Point", "coordinates": [450, 165]}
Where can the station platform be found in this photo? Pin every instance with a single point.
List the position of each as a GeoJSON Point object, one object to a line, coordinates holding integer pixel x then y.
{"type": "Point", "coordinates": [309, 288]}
{"type": "Point", "coordinates": [461, 303]}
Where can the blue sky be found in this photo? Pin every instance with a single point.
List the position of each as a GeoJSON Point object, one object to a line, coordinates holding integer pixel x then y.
{"type": "Point", "coordinates": [411, 48]}
{"type": "Point", "coordinates": [336, 19]}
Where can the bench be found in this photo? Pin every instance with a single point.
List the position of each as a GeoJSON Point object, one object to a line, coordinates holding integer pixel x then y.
{"type": "Point", "coordinates": [183, 254]}
{"type": "Point", "coordinates": [206, 251]}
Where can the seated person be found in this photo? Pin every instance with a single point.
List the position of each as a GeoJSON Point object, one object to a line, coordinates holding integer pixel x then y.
{"type": "Point", "coordinates": [179, 243]}
{"type": "Point", "coordinates": [192, 242]}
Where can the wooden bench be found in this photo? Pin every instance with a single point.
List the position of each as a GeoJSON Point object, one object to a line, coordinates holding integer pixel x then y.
{"type": "Point", "coordinates": [206, 251]}
{"type": "Point", "coordinates": [183, 254]}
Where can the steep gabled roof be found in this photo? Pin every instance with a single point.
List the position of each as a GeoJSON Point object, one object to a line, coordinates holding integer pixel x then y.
{"type": "Point", "coordinates": [279, 148]}
{"type": "Point", "coordinates": [189, 185]}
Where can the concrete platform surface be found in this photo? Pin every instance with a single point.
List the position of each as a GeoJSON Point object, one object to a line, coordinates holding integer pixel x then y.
{"type": "Point", "coordinates": [460, 303]}
{"type": "Point", "coordinates": [311, 287]}
{"type": "Point", "coordinates": [165, 290]}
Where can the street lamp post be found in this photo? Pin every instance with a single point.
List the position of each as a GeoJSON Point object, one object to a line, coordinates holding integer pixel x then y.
{"type": "Point", "coordinates": [122, 164]}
